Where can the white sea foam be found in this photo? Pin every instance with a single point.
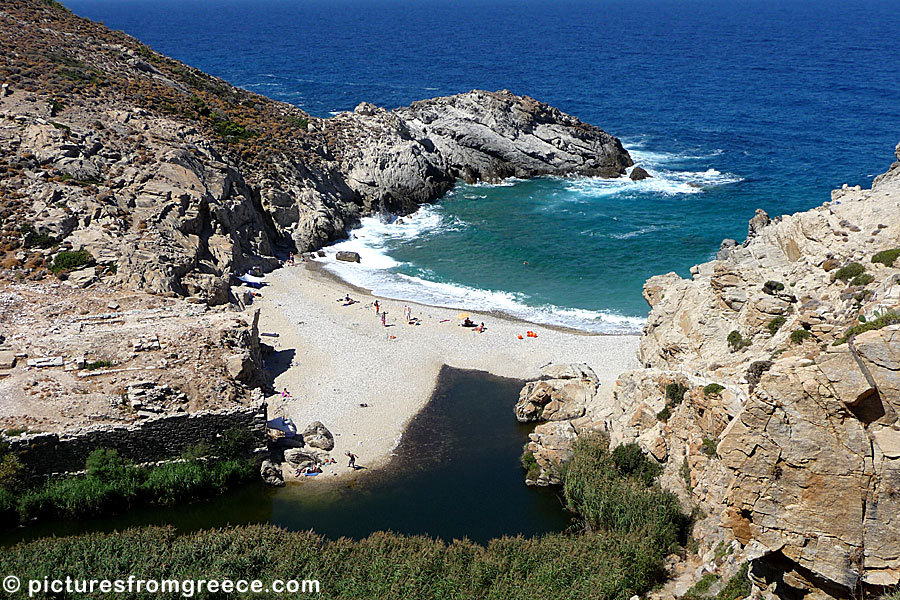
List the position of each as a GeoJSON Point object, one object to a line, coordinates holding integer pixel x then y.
{"type": "Point", "coordinates": [662, 181]}
{"type": "Point", "coordinates": [635, 233]}
{"type": "Point", "coordinates": [374, 273]}
{"type": "Point", "coordinates": [378, 271]}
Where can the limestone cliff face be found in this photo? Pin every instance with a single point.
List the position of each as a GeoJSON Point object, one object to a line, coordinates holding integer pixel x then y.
{"type": "Point", "coordinates": [172, 179]}
{"type": "Point", "coordinates": [771, 394]}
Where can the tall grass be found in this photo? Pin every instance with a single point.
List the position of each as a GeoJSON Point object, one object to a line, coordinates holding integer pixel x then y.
{"type": "Point", "coordinates": [630, 526]}
{"type": "Point", "coordinates": [615, 493]}
{"type": "Point", "coordinates": [384, 565]}
{"type": "Point", "coordinates": [115, 486]}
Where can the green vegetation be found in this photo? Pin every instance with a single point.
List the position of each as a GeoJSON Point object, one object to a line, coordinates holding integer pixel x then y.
{"type": "Point", "coordinates": [701, 588]}
{"type": "Point", "coordinates": [230, 131]}
{"type": "Point", "coordinates": [122, 486]}
{"type": "Point", "coordinates": [33, 239]}
{"type": "Point", "coordinates": [112, 484]}
{"type": "Point", "coordinates": [69, 261]}
{"type": "Point", "coordinates": [630, 526]}
{"type": "Point", "coordinates": [10, 469]}
{"type": "Point", "coordinates": [889, 318]}
{"type": "Point", "coordinates": [864, 279]}
{"type": "Point", "coordinates": [894, 594]}
{"type": "Point", "coordinates": [675, 393]}
{"type": "Point", "coordinates": [83, 76]}
{"type": "Point", "coordinates": [709, 448]}
{"type": "Point", "coordinates": [147, 54]}
{"type": "Point", "coordinates": [736, 341]}
{"type": "Point", "coordinates": [532, 470]}
{"type": "Point", "coordinates": [736, 587]}
{"type": "Point", "coordinates": [713, 389]}
{"type": "Point", "coordinates": [773, 286]}
{"type": "Point", "coordinates": [15, 431]}
{"type": "Point", "coordinates": [685, 472]}
{"type": "Point", "coordinates": [798, 336]}
{"type": "Point", "coordinates": [848, 272]}
{"type": "Point", "coordinates": [98, 364]}
{"type": "Point", "coordinates": [723, 550]}
{"type": "Point", "coordinates": [674, 396]}
{"type": "Point", "coordinates": [886, 257]}
{"type": "Point", "coordinates": [300, 122]}
{"type": "Point", "coordinates": [775, 324]}
{"type": "Point", "coordinates": [55, 4]}
{"type": "Point", "coordinates": [630, 461]}
{"type": "Point", "coordinates": [610, 492]}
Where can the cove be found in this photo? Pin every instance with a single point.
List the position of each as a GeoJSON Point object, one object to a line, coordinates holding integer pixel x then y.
{"type": "Point", "coordinates": [456, 474]}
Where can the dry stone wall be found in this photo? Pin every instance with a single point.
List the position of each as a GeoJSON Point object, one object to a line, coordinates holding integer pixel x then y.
{"type": "Point", "coordinates": [152, 440]}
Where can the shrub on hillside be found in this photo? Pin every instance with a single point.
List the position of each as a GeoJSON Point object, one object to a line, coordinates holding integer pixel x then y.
{"type": "Point", "coordinates": [798, 336]}
{"type": "Point", "coordinates": [736, 341]}
{"type": "Point", "coordinates": [612, 503]}
{"type": "Point", "coordinates": [888, 318]}
{"type": "Point", "coordinates": [775, 324]}
{"type": "Point", "coordinates": [848, 272]}
{"type": "Point", "coordinates": [886, 257]}
{"type": "Point", "coordinates": [713, 389]}
{"type": "Point", "coordinates": [69, 261]}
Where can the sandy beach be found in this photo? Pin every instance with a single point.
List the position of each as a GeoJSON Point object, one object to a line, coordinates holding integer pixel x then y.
{"type": "Point", "coordinates": [334, 358]}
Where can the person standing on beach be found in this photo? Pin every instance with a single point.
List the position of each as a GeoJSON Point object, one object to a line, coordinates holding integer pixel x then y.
{"type": "Point", "coordinates": [407, 313]}
{"type": "Point", "coordinates": [384, 319]}
{"type": "Point", "coordinates": [352, 457]}
{"type": "Point", "coordinates": [377, 307]}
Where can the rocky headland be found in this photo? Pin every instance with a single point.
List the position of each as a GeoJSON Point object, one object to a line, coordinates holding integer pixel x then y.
{"type": "Point", "coordinates": [132, 188]}
{"type": "Point", "coordinates": [770, 393]}
{"type": "Point", "coordinates": [172, 179]}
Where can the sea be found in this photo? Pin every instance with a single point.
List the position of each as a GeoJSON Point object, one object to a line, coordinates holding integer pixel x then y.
{"type": "Point", "coordinates": [731, 106]}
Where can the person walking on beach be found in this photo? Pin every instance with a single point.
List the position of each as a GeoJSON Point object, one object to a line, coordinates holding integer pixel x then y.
{"type": "Point", "coordinates": [377, 307]}
{"type": "Point", "coordinates": [384, 319]}
{"type": "Point", "coordinates": [407, 313]}
{"type": "Point", "coordinates": [352, 457]}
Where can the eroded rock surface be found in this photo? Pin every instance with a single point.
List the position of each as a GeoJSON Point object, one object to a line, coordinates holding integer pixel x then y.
{"type": "Point", "coordinates": [770, 394]}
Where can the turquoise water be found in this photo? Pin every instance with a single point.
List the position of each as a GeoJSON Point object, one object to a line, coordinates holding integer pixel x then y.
{"type": "Point", "coordinates": [732, 105]}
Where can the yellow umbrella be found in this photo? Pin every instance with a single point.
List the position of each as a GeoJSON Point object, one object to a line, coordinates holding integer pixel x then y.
{"type": "Point", "coordinates": [462, 316]}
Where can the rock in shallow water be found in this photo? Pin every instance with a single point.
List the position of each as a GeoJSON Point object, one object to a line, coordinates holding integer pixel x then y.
{"type": "Point", "coordinates": [639, 173]}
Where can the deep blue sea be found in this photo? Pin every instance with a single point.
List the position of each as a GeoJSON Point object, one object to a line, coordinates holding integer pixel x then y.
{"type": "Point", "coordinates": [730, 105]}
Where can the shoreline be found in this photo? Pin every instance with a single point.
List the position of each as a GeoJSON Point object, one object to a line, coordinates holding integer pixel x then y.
{"type": "Point", "coordinates": [366, 382]}
{"type": "Point", "coordinates": [320, 268]}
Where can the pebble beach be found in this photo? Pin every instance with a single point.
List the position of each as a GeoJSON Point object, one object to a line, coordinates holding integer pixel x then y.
{"type": "Point", "coordinates": [365, 381]}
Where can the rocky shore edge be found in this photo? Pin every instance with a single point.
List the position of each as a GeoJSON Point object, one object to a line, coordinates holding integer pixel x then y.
{"type": "Point", "coordinates": [769, 395]}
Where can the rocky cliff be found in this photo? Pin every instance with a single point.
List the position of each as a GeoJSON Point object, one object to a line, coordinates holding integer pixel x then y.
{"type": "Point", "coordinates": [171, 179]}
{"type": "Point", "coordinates": [770, 392]}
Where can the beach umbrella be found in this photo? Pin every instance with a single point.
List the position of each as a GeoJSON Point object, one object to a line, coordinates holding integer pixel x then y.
{"type": "Point", "coordinates": [462, 316]}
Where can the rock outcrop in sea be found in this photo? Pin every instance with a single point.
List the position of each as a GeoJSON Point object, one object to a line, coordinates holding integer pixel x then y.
{"type": "Point", "coordinates": [770, 393]}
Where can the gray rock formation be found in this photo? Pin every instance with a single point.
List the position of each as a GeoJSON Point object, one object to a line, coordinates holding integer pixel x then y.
{"type": "Point", "coordinates": [639, 174]}
{"type": "Point", "coordinates": [271, 473]}
{"type": "Point", "coordinates": [316, 435]}
{"type": "Point", "coordinates": [790, 443]}
{"type": "Point", "coordinates": [347, 256]}
{"type": "Point", "coordinates": [165, 174]}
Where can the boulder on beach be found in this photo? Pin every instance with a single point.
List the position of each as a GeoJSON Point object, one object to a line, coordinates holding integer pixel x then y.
{"type": "Point", "coordinates": [562, 394]}
{"type": "Point", "coordinates": [301, 457]}
{"type": "Point", "coordinates": [271, 473]}
{"type": "Point", "coordinates": [347, 256]}
{"type": "Point", "coordinates": [316, 435]}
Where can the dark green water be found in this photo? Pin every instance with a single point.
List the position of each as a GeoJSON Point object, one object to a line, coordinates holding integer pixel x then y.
{"type": "Point", "coordinates": [456, 475]}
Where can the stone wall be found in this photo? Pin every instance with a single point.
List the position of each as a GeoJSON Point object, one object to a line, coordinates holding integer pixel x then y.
{"type": "Point", "coordinates": [152, 440]}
